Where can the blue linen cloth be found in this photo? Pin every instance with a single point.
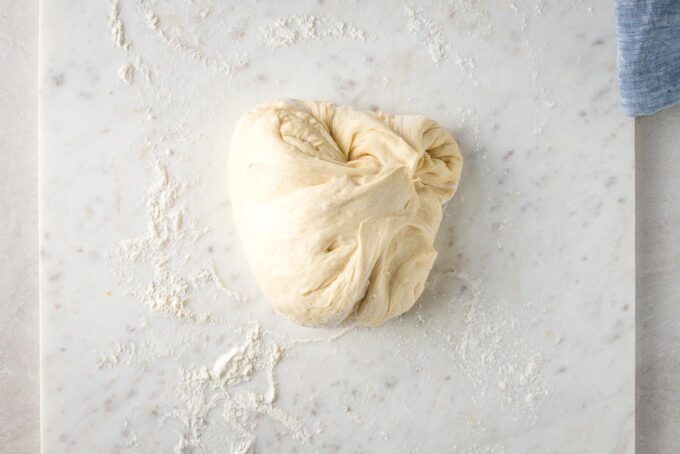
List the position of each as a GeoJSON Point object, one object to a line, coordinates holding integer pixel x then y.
{"type": "Point", "coordinates": [648, 54]}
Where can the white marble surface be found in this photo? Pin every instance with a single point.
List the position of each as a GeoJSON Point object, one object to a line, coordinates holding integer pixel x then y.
{"type": "Point", "coordinates": [527, 346]}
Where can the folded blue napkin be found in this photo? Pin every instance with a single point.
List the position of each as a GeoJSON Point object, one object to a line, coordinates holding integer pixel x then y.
{"type": "Point", "coordinates": [649, 54]}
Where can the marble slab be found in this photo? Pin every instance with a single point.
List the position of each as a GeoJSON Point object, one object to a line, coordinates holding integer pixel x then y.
{"type": "Point", "coordinates": [524, 338]}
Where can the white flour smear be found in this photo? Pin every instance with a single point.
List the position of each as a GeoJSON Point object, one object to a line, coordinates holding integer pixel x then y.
{"type": "Point", "coordinates": [169, 227]}
{"type": "Point", "coordinates": [291, 30]}
{"type": "Point", "coordinates": [209, 403]}
{"type": "Point", "coordinates": [490, 348]}
{"type": "Point", "coordinates": [117, 27]}
{"type": "Point", "coordinates": [152, 347]}
{"type": "Point", "coordinates": [184, 44]}
{"type": "Point", "coordinates": [432, 33]}
{"type": "Point", "coordinates": [127, 73]}
{"type": "Point", "coordinates": [202, 390]}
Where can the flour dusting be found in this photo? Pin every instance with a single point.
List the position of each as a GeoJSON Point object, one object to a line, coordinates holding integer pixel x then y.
{"type": "Point", "coordinates": [169, 226]}
{"type": "Point", "coordinates": [432, 32]}
{"type": "Point", "coordinates": [231, 293]}
{"type": "Point", "coordinates": [117, 27]}
{"type": "Point", "coordinates": [169, 293]}
{"type": "Point", "coordinates": [151, 348]}
{"type": "Point", "coordinates": [189, 46]}
{"type": "Point", "coordinates": [127, 73]}
{"type": "Point", "coordinates": [202, 394]}
{"type": "Point", "coordinates": [291, 30]}
{"type": "Point", "coordinates": [510, 374]}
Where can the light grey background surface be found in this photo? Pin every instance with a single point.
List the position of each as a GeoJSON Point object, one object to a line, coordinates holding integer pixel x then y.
{"type": "Point", "coordinates": [658, 251]}
{"type": "Point", "coordinates": [657, 149]}
{"type": "Point", "coordinates": [19, 377]}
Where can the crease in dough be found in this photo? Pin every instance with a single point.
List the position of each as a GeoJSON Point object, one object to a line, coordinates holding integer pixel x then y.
{"type": "Point", "coordinates": [337, 209]}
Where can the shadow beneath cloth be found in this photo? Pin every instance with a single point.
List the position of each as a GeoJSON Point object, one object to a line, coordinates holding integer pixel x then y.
{"type": "Point", "coordinates": [657, 391]}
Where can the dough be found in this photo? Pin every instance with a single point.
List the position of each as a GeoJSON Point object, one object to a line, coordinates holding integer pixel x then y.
{"type": "Point", "coordinates": [337, 209]}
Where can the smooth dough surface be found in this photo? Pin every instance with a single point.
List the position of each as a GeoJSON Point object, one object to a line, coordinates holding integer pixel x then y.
{"type": "Point", "coordinates": [337, 209]}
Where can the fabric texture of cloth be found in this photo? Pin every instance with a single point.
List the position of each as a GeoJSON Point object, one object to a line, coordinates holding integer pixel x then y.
{"type": "Point", "coordinates": [648, 54]}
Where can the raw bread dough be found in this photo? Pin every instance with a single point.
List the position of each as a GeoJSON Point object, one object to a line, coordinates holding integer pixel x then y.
{"type": "Point", "coordinates": [338, 209]}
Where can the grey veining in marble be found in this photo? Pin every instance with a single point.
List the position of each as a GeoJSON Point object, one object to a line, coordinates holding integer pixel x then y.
{"type": "Point", "coordinates": [524, 339]}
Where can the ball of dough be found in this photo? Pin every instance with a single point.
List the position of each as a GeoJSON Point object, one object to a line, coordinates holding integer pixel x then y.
{"type": "Point", "coordinates": [337, 209]}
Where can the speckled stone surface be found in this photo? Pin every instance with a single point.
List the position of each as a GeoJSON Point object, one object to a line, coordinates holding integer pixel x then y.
{"type": "Point", "coordinates": [581, 335]}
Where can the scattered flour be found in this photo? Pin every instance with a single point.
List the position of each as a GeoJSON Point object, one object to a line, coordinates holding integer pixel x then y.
{"type": "Point", "coordinates": [287, 31]}
{"type": "Point", "coordinates": [169, 293]}
{"type": "Point", "coordinates": [131, 435]}
{"type": "Point", "coordinates": [165, 224]}
{"type": "Point", "coordinates": [148, 350]}
{"type": "Point", "coordinates": [189, 46]}
{"type": "Point", "coordinates": [217, 406]}
{"type": "Point", "coordinates": [127, 73]}
{"type": "Point", "coordinates": [215, 277]}
{"type": "Point", "coordinates": [121, 353]}
{"type": "Point", "coordinates": [201, 390]}
{"type": "Point", "coordinates": [117, 27]}
{"type": "Point", "coordinates": [431, 31]}
{"type": "Point", "coordinates": [499, 363]}
{"type": "Point", "coordinates": [168, 227]}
